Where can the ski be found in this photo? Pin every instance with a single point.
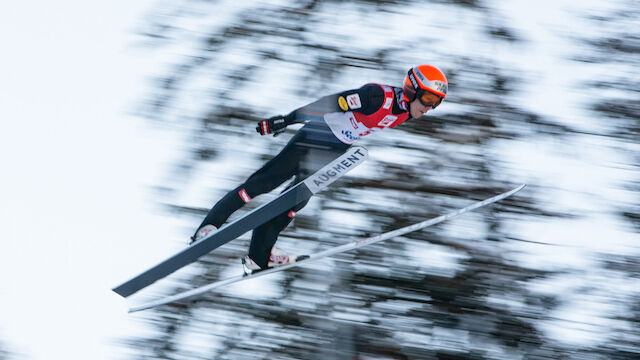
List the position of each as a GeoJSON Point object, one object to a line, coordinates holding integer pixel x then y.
{"type": "Point", "coordinates": [326, 253]}
{"type": "Point", "coordinates": [353, 157]}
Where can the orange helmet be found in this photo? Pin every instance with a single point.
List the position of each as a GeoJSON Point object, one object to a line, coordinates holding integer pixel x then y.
{"type": "Point", "coordinates": [424, 78]}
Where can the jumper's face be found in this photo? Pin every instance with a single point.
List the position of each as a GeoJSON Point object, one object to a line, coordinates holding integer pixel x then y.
{"type": "Point", "coordinates": [424, 102]}
{"type": "Point", "coordinates": [417, 109]}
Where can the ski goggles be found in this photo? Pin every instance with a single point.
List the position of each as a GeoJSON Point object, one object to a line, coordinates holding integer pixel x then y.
{"type": "Point", "coordinates": [429, 99]}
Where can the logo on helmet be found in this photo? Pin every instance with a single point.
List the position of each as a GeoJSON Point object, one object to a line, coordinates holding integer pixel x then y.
{"type": "Point", "coordinates": [421, 76]}
{"type": "Point", "coordinates": [413, 81]}
{"type": "Point", "coordinates": [440, 87]}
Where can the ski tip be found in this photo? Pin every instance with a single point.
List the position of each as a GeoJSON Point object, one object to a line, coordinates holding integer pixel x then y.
{"type": "Point", "coordinates": [515, 190]}
{"type": "Point", "coordinates": [135, 309]}
{"type": "Point", "coordinates": [511, 192]}
{"type": "Point", "coordinates": [119, 290]}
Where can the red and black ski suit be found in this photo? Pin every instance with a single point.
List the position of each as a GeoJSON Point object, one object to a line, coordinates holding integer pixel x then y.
{"type": "Point", "coordinates": [348, 116]}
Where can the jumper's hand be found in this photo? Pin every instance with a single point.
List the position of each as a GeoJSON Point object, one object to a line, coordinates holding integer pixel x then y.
{"type": "Point", "coordinates": [273, 125]}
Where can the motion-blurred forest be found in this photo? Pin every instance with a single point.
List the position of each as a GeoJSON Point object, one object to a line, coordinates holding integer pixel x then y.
{"type": "Point", "coordinates": [552, 273]}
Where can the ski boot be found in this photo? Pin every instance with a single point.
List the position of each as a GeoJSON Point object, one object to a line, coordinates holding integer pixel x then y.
{"type": "Point", "coordinates": [276, 258]}
{"type": "Point", "coordinates": [203, 232]}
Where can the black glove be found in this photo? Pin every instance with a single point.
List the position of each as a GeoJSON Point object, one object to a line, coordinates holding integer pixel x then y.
{"type": "Point", "coordinates": [273, 125]}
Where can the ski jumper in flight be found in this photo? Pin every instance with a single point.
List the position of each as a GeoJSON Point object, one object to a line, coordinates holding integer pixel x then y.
{"type": "Point", "coordinates": [344, 118]}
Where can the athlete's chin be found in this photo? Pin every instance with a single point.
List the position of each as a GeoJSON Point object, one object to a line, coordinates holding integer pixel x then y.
{"type": "Point", "coordinates": [417, 114]}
